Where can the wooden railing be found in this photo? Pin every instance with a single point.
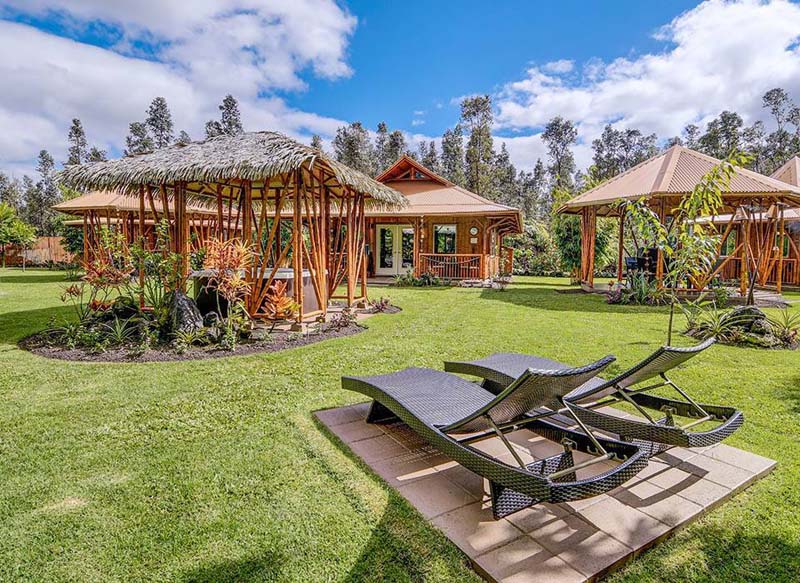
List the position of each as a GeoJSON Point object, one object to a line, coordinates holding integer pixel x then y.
{"type": "Point", "coordinates": [452, 266]}
{"type": "Point", "coordinates": [791, 276]}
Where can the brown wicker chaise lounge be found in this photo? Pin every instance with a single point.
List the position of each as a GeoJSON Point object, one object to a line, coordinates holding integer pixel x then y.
{"type": "Point", "coordinates": [452, 414]}
{"type": "Point", "coordinates": [498, 370]}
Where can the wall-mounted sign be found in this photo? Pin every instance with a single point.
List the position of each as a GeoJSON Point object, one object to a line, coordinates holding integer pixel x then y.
{"type": "Point", "coordinates": [473, 231]}
{"type": "Point", "coordinates": [473, 240]}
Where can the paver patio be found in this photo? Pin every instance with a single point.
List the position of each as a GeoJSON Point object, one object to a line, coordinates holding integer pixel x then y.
{"type": "Point", "coordinates": [553, 543]}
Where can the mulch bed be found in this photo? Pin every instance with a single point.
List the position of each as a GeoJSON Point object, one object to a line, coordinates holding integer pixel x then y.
{"type": "Point", "coordinates": [278, 340]}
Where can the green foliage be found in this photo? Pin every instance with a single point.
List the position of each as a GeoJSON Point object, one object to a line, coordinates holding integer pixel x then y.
{"type": "Point", "coordinates": [640, 290]}
{"type": "Point", "coordinates": [535, 252]}
{"type": "Point", "coordinates": [72, 239]}
{"type": "Point", "coordinates": [566, 230]}
{"type": "Point", "coordinates": [343, 319]}
{"type": "Point", "coordinates": [785, 325]}
{"type": "Point", "coordinates": [408, 279]}
{"type": "Point", "coordinates": [119, 331]}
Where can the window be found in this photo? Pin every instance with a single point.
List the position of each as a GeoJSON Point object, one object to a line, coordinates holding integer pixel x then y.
{"type": "Point", "coordinates": [444, 238]}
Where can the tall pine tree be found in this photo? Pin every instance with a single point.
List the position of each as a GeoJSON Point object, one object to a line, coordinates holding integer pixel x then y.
{"type": "Point", "coordinates": [396, 146]}
{"type": "Point", "coordinates": [453, 155]}
{"type": "Point", "coordinates": [477, 117]}
{"type": "Point", "coordinates": [138, 140]}
{"type": "Point", "coordinates": [504, 178]}
{"type": "Point", "coordinates": [40, 198]}
{"type": "Point", "coordinates": [431, 158]}
{"type": "Point", "coordinates": [559, 136]}
{"type": "Point", "coordinates": [159, 123]}
{"type": "Point", "coordinates": [382, 147]}
{"type": "Point", "coordinates": [77, 151]}
{"type": "Point", "coordinates": [230, 118]}
{"type": "Point", "coordinates": [352, 146]}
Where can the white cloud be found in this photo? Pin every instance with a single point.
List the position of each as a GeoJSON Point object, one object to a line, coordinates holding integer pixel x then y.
{"type": "Point", "coordinates": [201, 50]}
{"type": "Point", "coordinates": [417, 122]}
{"type": "Point", "coordinates": [559, 66]}
{"type": "Point", "coordinates": [721, 55]}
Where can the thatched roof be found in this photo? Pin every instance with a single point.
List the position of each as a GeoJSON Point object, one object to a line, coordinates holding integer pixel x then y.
{"type": "Point", "coordinates": [254, 156]}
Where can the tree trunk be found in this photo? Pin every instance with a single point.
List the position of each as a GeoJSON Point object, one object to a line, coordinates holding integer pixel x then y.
{"type": "Point", "coordinates": [671, 318]}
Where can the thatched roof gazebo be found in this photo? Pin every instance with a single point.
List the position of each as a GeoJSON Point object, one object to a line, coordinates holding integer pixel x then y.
{"type": "Point", "coordinates": [270, 182]}
{"type": "Point", "coordinates": [662, 181]}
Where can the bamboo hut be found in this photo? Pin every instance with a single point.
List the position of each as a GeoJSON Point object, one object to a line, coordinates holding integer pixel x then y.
{"type": "Point", "coordinates": [754, 205]}
{"type": "Point", "coordinates": [301, 212]}
{"type": "Point", "coordinates": [445, 229]}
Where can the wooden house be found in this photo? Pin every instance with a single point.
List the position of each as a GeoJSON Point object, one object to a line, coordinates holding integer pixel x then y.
{"type": "Point", "coordinates": [445, 229]}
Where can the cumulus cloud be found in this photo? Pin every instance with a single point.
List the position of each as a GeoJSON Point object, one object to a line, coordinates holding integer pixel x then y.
{"type": "Point", "coordinates": [559, 66]}
{"type": "Point", "coordinates": [720, 55]}
{"type": "Point", "coordinates": [192, 53]}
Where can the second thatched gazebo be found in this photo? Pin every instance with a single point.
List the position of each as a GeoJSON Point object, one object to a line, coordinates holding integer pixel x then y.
{"type": "Point", "coordinates": [302, 213]}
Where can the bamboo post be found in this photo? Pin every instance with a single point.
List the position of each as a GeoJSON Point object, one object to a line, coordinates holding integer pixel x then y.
{"type": "Point", "coordinates": [781, 241]}
{"type": "Point", "coordinates": [142, 242]}
{"type": "Point", "coordinates": [297, 247]}
{"type": "Point", "coordinates": [745, 232]}
{"type": "Point", "coordinates": [85, 239]}
{"type": "Point", "coordinates": [247, 225]}
{"type": "Point", "coordinates": [621, 245]}
{"type": "Point", "coordinates": [351, 292]}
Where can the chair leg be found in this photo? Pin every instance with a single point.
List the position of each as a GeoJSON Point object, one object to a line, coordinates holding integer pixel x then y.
{"type": "Point", "coordinates": [380, 414]}
{"type": "Point", "coordinates": [506, 501]}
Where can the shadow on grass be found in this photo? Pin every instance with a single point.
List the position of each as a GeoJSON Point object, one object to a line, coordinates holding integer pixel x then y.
{"type": "Point", "coordinates": [402, 544]}
{"type": "Point", "coordinates": [790, 391]}
{"type": "Point", "coordinates": [717, 555]}
{"type": "Point", "coordinates": [33, 277]}
{"type": "Point", "coordinates": [262, 568]}
{"type": "Point", "coordinates": [14, 326]}
{"type": "Point", "coordinates": [547, 298]}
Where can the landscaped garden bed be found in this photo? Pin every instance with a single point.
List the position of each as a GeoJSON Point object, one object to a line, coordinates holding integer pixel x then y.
{"type": "Point", "coordinates": [44, 344]}
{"type": "Point", "coordinates": [130, 306]}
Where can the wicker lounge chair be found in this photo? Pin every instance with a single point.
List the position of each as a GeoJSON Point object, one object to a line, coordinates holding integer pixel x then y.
{"type": "Point", "coordinates": [452, 414]}
{"type": "Point", "coordinates": [500, 369]}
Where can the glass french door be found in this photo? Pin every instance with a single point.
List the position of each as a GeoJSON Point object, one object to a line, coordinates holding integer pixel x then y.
{"type": "Point", "coordinates": [395, 247]}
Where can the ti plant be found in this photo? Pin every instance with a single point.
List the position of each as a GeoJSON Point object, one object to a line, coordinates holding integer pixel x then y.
{"type": "Point", "coordinates": [689, 247]}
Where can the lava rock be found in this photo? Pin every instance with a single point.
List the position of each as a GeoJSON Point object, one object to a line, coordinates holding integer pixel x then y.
{"type": "Point", "coordinates": [183, 314]}
{"type": "Point", "coordinates": [745, 317]}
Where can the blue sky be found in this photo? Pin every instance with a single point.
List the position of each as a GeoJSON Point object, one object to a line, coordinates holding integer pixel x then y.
{"type": "Point", "coordinates": [422, 58]}
{"type": "Point", "coordinates": [308, 66]}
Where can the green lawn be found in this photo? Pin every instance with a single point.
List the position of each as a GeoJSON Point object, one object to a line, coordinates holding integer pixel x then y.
{"type": "Point", "coordinates": [216, 470]}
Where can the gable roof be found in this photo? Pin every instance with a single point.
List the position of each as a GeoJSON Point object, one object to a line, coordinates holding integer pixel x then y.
{"type": "Point", "coordinates": [675, 172]}
{"type": "Point", "coordinates": [789, 172]}
{"type": "Point", "coordinates": [406, 165]}
{"type": "Point", "coordinates": [429, 194]}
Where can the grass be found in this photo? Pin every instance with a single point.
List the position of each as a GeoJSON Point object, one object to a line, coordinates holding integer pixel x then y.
{"type": "Point", "coordinates": [216, 471]}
